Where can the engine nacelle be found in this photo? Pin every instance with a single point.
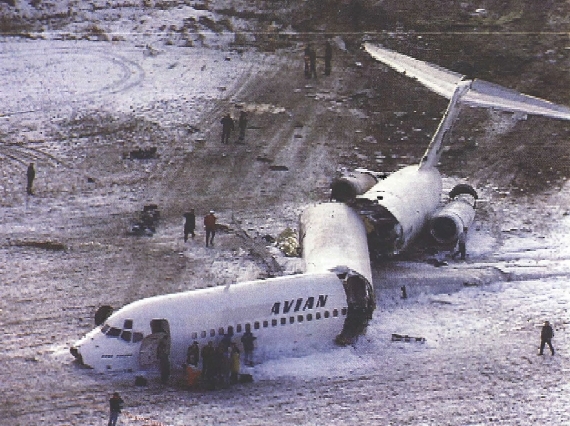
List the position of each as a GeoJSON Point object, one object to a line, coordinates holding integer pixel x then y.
{"type": "Point", "coordinates": [350, 184]}
{"type": "Point", "coordinates": [449, 222]}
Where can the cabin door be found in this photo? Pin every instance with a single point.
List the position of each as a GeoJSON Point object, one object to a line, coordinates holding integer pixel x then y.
{"type": "Point", "coordinates": [157, 341]}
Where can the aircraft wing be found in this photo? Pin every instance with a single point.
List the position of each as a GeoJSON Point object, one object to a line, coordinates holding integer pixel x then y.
{"type": "Point", "coordinates": [436, 78]}
{"type": "Point", "coordinates": [481, 93]}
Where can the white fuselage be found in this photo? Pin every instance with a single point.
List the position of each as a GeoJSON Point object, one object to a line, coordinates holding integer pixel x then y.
{"type": "Point", "coordinates": [290, 315]}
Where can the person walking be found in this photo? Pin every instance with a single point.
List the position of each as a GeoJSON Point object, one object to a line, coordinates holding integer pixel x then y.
{"type": "Point", "coordinates": [115, 406]}
{"type": "Point", "coordinates": [242, 125]}
{"type": "Point", "coordinates": [31, 175]}
{"type": "Point", "coordinates": [546, 335]}
{"type": "Point", "coordinates": [189, 224]}
{"type": "Point", "coordinates": [210, 225]}
{"type": "Point", "coordinates": [328, 57]}
{"type": "Point", "coordinates": [248, 346]}
{"type": "Point", "coordinates": [227, 127]}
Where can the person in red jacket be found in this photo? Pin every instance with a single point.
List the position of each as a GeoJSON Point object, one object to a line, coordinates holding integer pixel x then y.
{"type": "Point", "coordinates": [210, 225]}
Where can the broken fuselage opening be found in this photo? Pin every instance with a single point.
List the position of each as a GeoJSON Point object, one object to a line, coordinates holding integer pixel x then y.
{"type": "Point", "coordinates": [385, 236]}
{"type": "Point", "coordinates": [361, 305]}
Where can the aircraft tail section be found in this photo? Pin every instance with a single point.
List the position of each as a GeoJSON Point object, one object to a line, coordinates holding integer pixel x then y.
{"type": "Point", "coordinates": [481, 93]}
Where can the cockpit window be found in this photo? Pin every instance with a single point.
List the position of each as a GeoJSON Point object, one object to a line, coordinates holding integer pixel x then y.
{"type": "Point", "coordinates": [126, 336]}
{"type": "Point", "coordinates": [114, 332]}
{"type": "Point", "coordinates": [105, 328]}
{"type": "Point", "coordinates": [128, 325]}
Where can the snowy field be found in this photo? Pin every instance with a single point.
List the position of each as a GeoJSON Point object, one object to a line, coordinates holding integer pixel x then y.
{"type": "Point", "coordinates": [75, 107]}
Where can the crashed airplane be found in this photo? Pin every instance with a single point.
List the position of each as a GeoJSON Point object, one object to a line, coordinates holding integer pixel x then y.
{"type": "Point", "coordinates": [291, 315]}
{"type": "Point", "coordinates": [397, 207]}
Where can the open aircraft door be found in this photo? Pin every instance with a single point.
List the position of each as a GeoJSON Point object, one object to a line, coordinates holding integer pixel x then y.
{"type": "Point", "coordinates": [148, 354]}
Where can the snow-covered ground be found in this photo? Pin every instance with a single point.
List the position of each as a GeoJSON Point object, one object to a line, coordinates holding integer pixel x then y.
{"type": "Point", "coordinates": [76, 106]}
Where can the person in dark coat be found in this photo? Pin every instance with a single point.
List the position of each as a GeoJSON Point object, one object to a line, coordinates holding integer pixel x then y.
{"type": "Point", "coordinates": [247, 341]}
{"type": "Point", "coordinates": [307, 60]}
{"type": "Point", "coordinates": [189, 224]}
{"type": "Point", "coordinates": [31, 175]}
{"type": "Point", "coordinates": [210, 225]}
{"type": "Point", "coordinates": [115, 405]}
{"type": "Point", "coordinates": [208, 370]}
{"type": "Point", "coordinates": [328, 57]}
{"type": "Point", "coordinates": [242, 125]}
{"type": "Point", "coordinates": [163, 356]}
{"type": "Point", "coordinates": [227, 127]}
{"type": "Point", "coordinates": [313, 62]}
{"type": "Point", "coordinates": [193, 354]}
{"type": "Point", "coordinates": [461, 244]}
{"type": "Point", "coordinates": [546, 336]}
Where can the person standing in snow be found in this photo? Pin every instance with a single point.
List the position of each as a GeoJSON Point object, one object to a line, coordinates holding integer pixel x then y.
{"type": "Point", "coordinates": [115, 405]}
{"type": "Point", "coordinates": [31, 175]}
{"type": "Point", "coordinates": [242, 125]}
{"type": "Point", "coordinates": [328, 57]}
{"type": "Point", "coordinates": [227, 127]}
{"type": "Point", "coordinates": [210, 225]}
{"type": "Point", "coordinates": [461, 243]}
{"type": "Point", "coordinates": [189, 224]}
{"type": "Point", "coordinates": [546, 335]}
{"type": "Point", "coordinates": [247, 341]}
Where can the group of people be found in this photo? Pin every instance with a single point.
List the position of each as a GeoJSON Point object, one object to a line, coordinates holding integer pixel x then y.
{"type": "Point", "coordinates": [209, 224]}
{"type": "Point", "coordinates": [310, 60]}
{"type": "Point", "coordinates": [220, 364]}
{"type": "Point", "coordinates": [228, 126]}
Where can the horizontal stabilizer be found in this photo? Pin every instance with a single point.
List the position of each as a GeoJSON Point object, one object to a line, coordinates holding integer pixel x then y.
{"type": "Point", "coordinates": [485, 94]}
{"type": "Point", "coordinates": [436, 78]}
{"type": "Point", "coordinates": [481, 93]}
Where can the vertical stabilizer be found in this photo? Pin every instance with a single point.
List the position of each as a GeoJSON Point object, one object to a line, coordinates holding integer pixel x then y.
{"type": "Point", "coordinates": [435, 147]}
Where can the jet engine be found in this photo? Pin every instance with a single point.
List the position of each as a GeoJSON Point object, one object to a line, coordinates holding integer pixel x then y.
{"type": "Point", "coordinates": [449, 222]}
{"type": "Point", "coordinates": [348, 185]}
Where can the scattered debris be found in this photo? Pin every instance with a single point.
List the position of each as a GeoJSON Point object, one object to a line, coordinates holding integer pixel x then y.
{"type": "Point", "coordinates": [263, 159]}
{"type": "Point", "coordinates": [288, 243]}
{"type": "Point", "coordinates": [146, 221]}
{"type": "Point", "coordinates": [279, 168]}
{"type": "Point", "coordinates": [46, 245]}
{"type": "Point", "coordinates": [143, 154]}
{"type": "Point", "coordinates": [406, 338]}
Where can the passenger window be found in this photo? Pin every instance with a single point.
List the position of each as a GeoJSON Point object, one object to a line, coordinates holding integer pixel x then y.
{"type": "Point", "coordinates": [283, 321]}
{"type": "Point", "coordinates": [137, 337]}
{"type": "Point", "coordinates": [194, 336]}
{"type": "Point", "coordinates": [203, 334]}
{"type": "Point", "coordinates": [273, 322]}
{"type": "Point", "coordinates": [309, 317]}
{"type": "Point", "coordinates": [344, 311]}
{"type": "Point", "coordinates": [327, 314]}
{"type": "Point", "coordinates": [128, 325]}
{"type": "Point", "coordinates": [265, 324]}
{"type": "Point", "coordinates": [114, 332]}
{"type": "Point", "coordinates": [212, 333]}
{"type": "Point", "coordinates": [335, 312]}
{"type": "Point", "coordinates": [291, 320]}
{"type": "Point", "coordinates": [238, 328]}
{"type": "Point", "coordinates": [318, 315]}
{"type": "Point", "coordinates": [126, 336]}
{"type": "Point", "coordinates": [299, 318]}
{"type": "Point", "coordinates": [248, 327]}
{"type": "Point", "coordinates": [256, 325]}
{"type": "Point", "coordinates": [221, 331]}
